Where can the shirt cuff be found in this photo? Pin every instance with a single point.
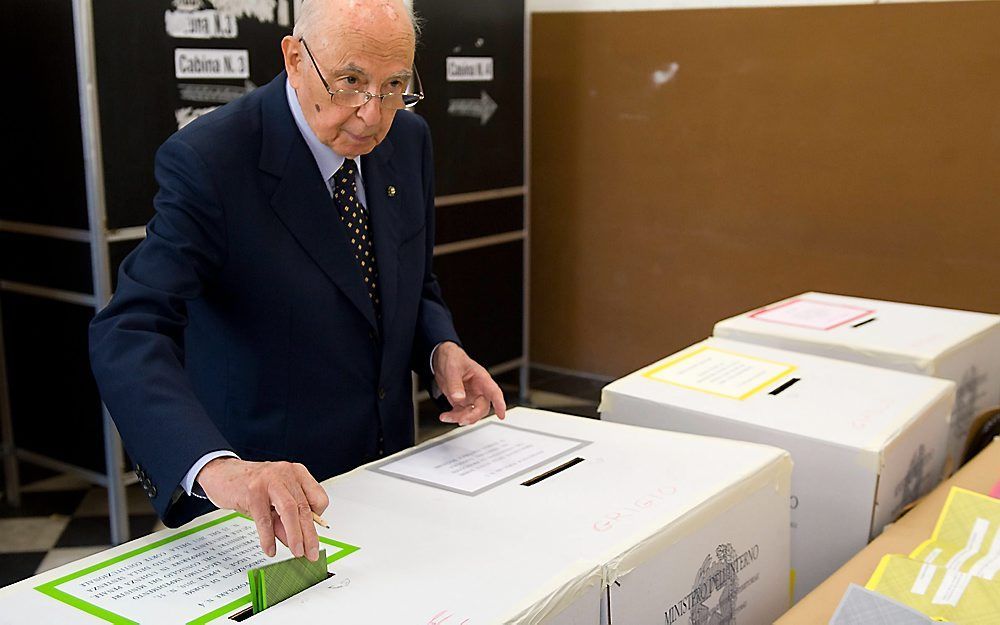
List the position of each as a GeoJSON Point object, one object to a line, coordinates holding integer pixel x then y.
{"type": "Point", "coordinates": [433, 351]}
{"type": "Point", "coordinates": [188, 482]}
{"type": "Point", "coordinates": [435, 390]}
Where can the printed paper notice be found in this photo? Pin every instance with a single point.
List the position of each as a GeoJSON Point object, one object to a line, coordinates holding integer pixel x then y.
{"type": "Point", "coordinates": [480, 458]}
{"type": "Point", "coordinates": [208, 24]}
{"type": "Point", "coordinates": [811, 314]}
{"type": "Point", "coordinates": [190, 577]}
{"type": "Point", "coordinates": [720, 372]}
{"type": "Point", "coordinates": [207, 63]}
{"type": "Point", "coordinates": [468, 68]}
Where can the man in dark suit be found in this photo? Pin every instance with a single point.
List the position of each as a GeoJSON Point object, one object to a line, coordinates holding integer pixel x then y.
{"type": "Point", "coordinates": [265, 330]}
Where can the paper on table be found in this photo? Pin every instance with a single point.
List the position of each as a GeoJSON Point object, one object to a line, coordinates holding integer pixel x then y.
{"type": "Point", "coordinates": [189, 577]}
{"type": "Point", "coordinates": [861, 606]}
{"type": "Point", "coordinates": [480, 458]}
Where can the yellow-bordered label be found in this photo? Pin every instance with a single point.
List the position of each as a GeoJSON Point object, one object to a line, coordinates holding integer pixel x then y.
{"type": "Point", "coordinates": [774, 371]}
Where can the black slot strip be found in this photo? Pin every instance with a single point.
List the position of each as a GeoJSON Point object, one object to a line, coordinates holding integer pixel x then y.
{"type": "Point", "coordinates": [784, 386]}
{"type": "Point", "coordinates": [858, 325]}
{"type": "Point", "coordinates": [551, 472]}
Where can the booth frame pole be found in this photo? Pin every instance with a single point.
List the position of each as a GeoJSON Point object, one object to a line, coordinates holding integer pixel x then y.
{"type": "Point", "coordinates": [12, 483]}
{"type": "Point", "coordinates": [524, 380]}
{"type": "Point", "coordinates": [83, 22]}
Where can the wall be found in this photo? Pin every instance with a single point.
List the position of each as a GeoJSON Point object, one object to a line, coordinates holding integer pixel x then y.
{"type": "Point", "coordinates": [687, 165]}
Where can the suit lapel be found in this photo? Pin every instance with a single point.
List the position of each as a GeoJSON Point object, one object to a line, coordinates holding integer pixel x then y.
{"type": "Point", "coordinates": [302, 201]}
{"type": "Point", "coordinates": [385, 211]}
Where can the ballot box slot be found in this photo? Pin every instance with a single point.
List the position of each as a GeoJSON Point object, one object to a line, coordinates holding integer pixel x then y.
{"type": "Point", "coordinates": [858, 325]}
{"type": "Point", "coordinates": [246, 613]}
{"type": "Point", "coordinates": [784, 386]}
{"type": "Point", "coordinates": [551, 472]}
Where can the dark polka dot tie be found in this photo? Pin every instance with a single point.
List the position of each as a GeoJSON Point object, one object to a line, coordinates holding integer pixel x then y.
{"type": "Point", "coordinates": [354, 218]}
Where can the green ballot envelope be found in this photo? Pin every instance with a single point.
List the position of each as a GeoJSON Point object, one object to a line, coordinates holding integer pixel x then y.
{"type": "Point", "coordinates": [273, 583]}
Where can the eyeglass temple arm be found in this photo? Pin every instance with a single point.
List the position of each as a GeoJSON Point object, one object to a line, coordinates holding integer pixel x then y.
{"type": "Point", "coordinates": [312, 59]}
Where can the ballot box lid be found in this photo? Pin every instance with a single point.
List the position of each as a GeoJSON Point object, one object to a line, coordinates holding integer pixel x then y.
{"type": "Point", "coordinates": [840, 402]}
{"type": "Point", "coordinates": [902, 336]}
{"type": "Point", "coordinates": [522, 550]}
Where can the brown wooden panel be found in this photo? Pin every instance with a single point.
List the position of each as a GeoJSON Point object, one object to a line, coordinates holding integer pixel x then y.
{"type": "Point", "coordinates": [850, 149]}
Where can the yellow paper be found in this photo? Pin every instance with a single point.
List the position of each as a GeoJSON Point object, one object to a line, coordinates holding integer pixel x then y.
{"type": "Point", "coordinates": [967, 535]}
{"type": "Point", "coordinates": [941, 594]}
{"type": "Point", "coordinates": [953, 576]}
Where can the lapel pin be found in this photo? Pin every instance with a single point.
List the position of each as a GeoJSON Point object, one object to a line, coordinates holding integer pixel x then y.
{"type": "Point", "coordinates": [391, 191]}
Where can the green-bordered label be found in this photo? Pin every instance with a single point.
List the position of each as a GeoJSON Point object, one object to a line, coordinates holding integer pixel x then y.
{"type": "Point", "coordinates": [208, 550]}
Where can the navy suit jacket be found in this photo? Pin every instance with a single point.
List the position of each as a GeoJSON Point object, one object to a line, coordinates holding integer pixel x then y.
{"type": "Point", "coordinates": [241, 322]}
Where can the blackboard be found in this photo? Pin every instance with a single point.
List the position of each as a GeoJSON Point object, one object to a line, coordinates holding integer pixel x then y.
{"type": "Point", "coordinates": [141, 100]}
{"type": "Point", "coordinates": [477, 125]}
{"type": "Point", "coordinates": [41, 104]}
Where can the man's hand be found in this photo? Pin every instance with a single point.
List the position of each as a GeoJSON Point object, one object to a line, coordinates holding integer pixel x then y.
{"type": "Point", "coordinates": [279, 496]}
{"type": "Point", "coordinates": [467, 385]}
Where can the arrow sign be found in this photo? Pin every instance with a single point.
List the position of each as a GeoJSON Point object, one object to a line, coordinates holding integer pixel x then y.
{"type": "Point", "coordinates": [192, 92]}
{"type": "Point", "coordinates": [482, 107]}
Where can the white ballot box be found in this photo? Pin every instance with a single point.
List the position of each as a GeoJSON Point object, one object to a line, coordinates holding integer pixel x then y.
{"type": "Point", "coordinates": [541, 518]}
{"type": "Point", "coordinates": [952, 344]}
{"type": "Point", "coordinates": [865, 441]}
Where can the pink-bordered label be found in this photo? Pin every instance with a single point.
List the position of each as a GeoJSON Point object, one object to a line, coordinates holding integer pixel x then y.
{"type": "Point", "coordinates": [804, 313]}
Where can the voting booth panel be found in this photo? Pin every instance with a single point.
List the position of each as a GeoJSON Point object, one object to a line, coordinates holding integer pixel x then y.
{"type": "Point", "coordinates": [471, 63]}
{"type": "Point", "coordinates": [955, 345]}
{"type": "Point", "coordinates": [865, 441]}
{"type": "Point", "coordinates": [541, 518]}
{"type": "Point", "coordinates": [119, 78]}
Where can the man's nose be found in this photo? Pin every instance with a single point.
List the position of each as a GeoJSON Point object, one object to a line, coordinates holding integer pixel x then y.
{"type": "Point", "coordinates": [371, 111]}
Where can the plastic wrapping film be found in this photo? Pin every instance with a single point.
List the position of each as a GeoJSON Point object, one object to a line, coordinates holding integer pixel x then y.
{"type": "Point", "coordinates": [539, 609]}
{"type": "Point", "coordinates": [832, 349]}
{"type": "Point", "coordinates": [776, 475]}
{"type": "Point", "coordinates": [918, 409]}
{"type": "Point", "coordinates": [905, 356]}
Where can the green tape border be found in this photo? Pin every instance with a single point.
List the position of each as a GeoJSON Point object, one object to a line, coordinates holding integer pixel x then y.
{"type": "Point", "coordinates": [50, 588]}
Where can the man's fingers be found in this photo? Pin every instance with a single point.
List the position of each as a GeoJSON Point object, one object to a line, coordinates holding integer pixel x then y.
{"type": "Point", "coordinates": [453, 389]}
{"type": "Point", "coordinates": [475, 411]}
{"type": "Point", "coordinates": [452, 384]}
{"type": "Point", "coordinates": [279, 529]}
{"type": "Point", "coordinates": [310, 542]}
{"type": "Point", "coordinates": [496, 397]}
{"type": "Point", "coordinates": [315, 494]}
{"type": "Point", "coordinates": [484, 383]}
{"type": "Point", "coordinates": [288, 510]}
{"type": "Point", "coordinates": [260, 510]}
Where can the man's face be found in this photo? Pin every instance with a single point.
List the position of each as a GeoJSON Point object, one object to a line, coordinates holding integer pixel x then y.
{"type": "Point", "coordinates": [373, 55]}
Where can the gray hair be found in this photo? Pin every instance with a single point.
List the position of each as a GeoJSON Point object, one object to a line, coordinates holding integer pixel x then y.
{"type": "Point", "coordinates": [308, 13]}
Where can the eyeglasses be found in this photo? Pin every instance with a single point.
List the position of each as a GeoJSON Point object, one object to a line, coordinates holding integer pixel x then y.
{"type": "Point", "coordinates": [356, 98]}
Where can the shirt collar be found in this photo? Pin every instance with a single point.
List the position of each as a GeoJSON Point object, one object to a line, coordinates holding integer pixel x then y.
{"type": "Point", "coordinates": [327, 160]}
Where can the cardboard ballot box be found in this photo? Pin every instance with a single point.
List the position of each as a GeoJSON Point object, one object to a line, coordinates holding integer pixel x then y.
{"type": "Point", "coordinates": [952, 344]}
{"type": "Point", "coordinates": [542, 518]}
{"type": "Point", "coordinates": [903, 536]}
{"type": "Point", "coordinates": [865, 441]}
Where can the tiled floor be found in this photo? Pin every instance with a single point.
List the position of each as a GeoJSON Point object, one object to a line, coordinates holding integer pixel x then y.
{"type": "Point", "coordinates": [63, 518]}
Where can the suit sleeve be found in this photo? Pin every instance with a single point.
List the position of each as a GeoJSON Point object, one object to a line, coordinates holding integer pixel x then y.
{"type": "Point", "coordinates": [434, 322]}
{"type": "Point", "coordinates": [137, 341]}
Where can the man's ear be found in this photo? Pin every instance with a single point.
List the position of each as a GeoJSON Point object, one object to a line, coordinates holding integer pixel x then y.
{"type": "Point", "coordinates": [291, 50]}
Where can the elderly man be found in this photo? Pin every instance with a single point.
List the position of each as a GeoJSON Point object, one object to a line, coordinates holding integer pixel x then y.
{"type": "Point", "coordinates": [263, 334]}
